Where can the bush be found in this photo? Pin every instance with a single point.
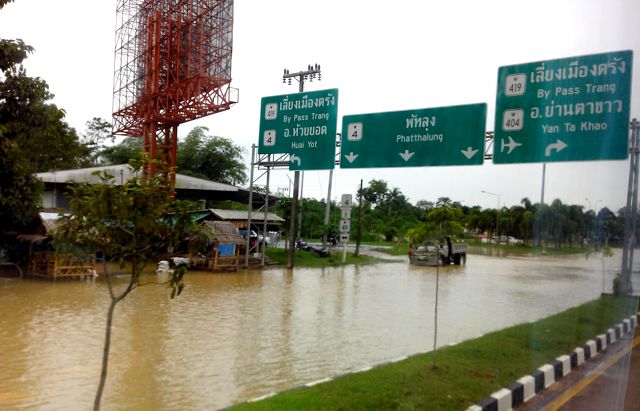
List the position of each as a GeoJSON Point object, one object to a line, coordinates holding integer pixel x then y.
{"type": "Point", "coordinates": [617, 285]}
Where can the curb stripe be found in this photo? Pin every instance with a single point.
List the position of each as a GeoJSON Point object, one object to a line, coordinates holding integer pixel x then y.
{"type": "Point", "coordinates": [576, 389]}
{"type": "Point", "coordinates": [528, 386]}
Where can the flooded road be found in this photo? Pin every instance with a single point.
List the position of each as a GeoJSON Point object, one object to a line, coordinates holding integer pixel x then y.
{"type": "Point", "coordinates": [235, 336]}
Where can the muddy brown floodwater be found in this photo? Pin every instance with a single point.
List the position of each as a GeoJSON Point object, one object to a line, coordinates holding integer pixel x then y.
{"type": "Point", "coordinates": [236, 336]}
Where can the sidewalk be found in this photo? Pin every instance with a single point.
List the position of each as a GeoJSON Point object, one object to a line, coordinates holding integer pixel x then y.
{"type": "Point", "coordinates": [612, 382]}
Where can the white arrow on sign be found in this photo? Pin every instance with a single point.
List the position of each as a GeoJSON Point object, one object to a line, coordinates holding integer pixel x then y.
{"type": "Point", "coordinates": [351, 157]}
{"type": "Point", "coordinates": [406, 155]}
{"type": "Point", "coordinates": [468, 153]}
{"type": "Point", "coordinates": [511, 145]}
{"type": "Point", "coordinates": [295, 159]}
{"type": "Point", "coordinates": [558, 146]}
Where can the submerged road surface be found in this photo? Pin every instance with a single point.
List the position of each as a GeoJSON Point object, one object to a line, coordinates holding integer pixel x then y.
{"type": "Point", "coordinates": [231, 337]}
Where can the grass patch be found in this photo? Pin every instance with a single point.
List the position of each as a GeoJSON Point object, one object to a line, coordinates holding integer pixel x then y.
{"type": "Point", "coordinates": [394, 249]}
{"type": "Point", "coordinates": [311, 259]}
{"type": "Point", "coordinates": [465, 373]}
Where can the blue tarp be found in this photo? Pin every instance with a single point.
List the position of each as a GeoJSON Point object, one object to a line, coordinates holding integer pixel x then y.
{"type": "Point", "coordinates": [226, 249]}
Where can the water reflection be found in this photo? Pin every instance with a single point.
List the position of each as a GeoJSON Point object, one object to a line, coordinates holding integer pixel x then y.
{"type": "Point", "coordinates": [232, 337]}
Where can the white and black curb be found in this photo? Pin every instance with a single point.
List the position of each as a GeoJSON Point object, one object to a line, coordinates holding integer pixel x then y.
{"type": "Point", "coordinates": [528, 386]}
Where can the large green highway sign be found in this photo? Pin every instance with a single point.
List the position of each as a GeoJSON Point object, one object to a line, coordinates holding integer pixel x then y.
{"type": "Point", "coordinates": [572, 109]}
{"type": "Point", "coordinates": [302, 125]}
{"type": "Point", "coordinates": [424, 137]}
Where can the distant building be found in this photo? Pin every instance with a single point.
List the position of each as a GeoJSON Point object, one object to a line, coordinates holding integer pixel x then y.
{"type": "Point", "coordinates": [187, 188]}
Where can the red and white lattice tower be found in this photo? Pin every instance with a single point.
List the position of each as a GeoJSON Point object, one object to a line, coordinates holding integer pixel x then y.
{"type": "Point", "coordinates": [172, 65]}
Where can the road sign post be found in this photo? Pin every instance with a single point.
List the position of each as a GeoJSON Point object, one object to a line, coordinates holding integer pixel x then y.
{"type": "Point", "coordinates": [571, 109]}
{"type": "Point", "coordinates": [346, 202]}
{"type": "Point", "coordinates": [302, 125]}
{"type": "Point", "coordinates": [422, 137]}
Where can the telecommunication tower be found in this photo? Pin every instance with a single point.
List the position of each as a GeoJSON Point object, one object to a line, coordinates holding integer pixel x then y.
{"type": "Point", "coordinates": [172, 65]}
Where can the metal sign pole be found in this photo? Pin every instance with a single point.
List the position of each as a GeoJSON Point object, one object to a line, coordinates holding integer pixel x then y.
{"type": "Point", "coordinates": [327, 210]}
{"type": "Point", "coordinates": [631, 209]}
{"type": "Point", "coordinates": [266, 211]}
{"type": "Point", "coordinates": [248, 243]}
{"type": "Point", "coordinates": [344, 253]}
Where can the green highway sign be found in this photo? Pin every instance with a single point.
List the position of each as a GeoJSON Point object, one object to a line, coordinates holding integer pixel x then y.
{"type": "Point", "coordinates": [571, 109]}
{"type": "Point", "coordinates": [302, 125]}
{"type": "Point", "coordinates": [440, 136]}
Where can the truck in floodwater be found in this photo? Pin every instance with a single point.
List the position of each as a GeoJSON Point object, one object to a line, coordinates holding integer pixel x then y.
{"type": "Point", "coordinates": [439, 251]}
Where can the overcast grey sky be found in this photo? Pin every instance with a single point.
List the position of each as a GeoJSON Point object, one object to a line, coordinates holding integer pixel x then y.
{"type": "Point", "coordinates": [382, 56]}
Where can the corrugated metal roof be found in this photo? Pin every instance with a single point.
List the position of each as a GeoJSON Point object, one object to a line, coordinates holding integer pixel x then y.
{"type": "Point", "coordinates": [244, 215]}
{"type": "Point", "coordinates": [122, 173]}
{"type": "Point", "coordinates": [193, 183]}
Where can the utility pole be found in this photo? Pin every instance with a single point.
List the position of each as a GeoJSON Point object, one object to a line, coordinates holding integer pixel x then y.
{"type": "Point", "coordinates": [497, 214]}
{"type": "Point", "coordinates": [311, 73]}
{"type": "Point", "coordinates": [631, 209]}
{"type": "Point", "coordinates": [327, 209]}
{"type": "Point", "coordinates": [544, 172]}
{"type": "Point", "coordinates": [359, 232]}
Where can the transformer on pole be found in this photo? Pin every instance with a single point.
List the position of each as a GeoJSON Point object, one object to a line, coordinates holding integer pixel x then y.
{"type": "Point", "coordinates": [172, 65]}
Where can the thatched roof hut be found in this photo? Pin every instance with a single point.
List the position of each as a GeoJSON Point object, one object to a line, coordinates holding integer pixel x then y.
{"type": "Point", "coordinates": [225, 250]}
{"type": "Point", "coordinates": [225, 232]}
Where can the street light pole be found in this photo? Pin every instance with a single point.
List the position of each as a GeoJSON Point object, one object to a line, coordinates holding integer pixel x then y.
{"type": "Point", "coordinates": [497, 213]}
{"type": "Point", "coordinates": [310, 74]}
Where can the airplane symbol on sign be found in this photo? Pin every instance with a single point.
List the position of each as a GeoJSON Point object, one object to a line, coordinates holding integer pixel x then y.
{"type": "Point", "coordinates": [511, 145]}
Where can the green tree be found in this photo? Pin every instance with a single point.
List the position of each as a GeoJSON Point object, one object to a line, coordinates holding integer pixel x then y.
{"type": "Point", "coordinates": [211, 157]}
{"type": "Point", "coordinates": [97, 134]}
{"type": "Point", "coordinates": [127, 224]}
{"type": "Point", "coordinates": [444, 220]}
{"type": "Point", "coordinates": [313, 212]}
{"type": "Point", "coordinates": [375, 192]}
{"type": "Point", "coordinates": [45, 140]}
{"type": "Point", "coordinates": [128, 149]}
{"type": "Point", "coordinates": [386, 213]}
{"type": "Point", "coordinates": [19, 190]}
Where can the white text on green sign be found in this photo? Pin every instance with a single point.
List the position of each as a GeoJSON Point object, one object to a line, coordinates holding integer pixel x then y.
{"type": "Point", "coordinates": [303, 125]}
{"type": "Point", "coordinates": [423, 137]}
{"type": "Point", "coordinates": [568, 109]}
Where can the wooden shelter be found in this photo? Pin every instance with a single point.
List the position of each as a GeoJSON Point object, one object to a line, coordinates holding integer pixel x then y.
{"type": "Point", "coordinates": [45, 262]}
{"type": "Point", "coordinates": [53, 265]}
{"type": "Point", "coordinates": [225, 253]}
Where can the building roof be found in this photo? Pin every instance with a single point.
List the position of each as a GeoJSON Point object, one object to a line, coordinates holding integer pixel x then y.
{"type": "Point", "coordinates": [48, 225]}
{"type": "Point", "coordinates": [186, 186]}
{"type": "Point", "coordinates": [241, 215]}
{"type": "Point", "coordinates": [225, 232]}
{"type": "Point", "coordinates": [124, 172]}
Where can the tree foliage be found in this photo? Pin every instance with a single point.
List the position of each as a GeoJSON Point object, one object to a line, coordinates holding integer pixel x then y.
{"type": "Point", "coordinates": [211, 157]}
{"type": "Point", "coordinates": [128, 224]}
{"type": "Point", "coordinates": [130, 148]}
{"type": "Point", "coordinates": [199, 155]}
{"type": "Point", "coordinates": [388, 215]}
{"type": "Point", "coordinates": [19, 189]}
{"type": "Point", "coordinates": [446, 219]}
{"type": "Point", "coordinates": [95, 139]}
{"type": "Point", "coordinates": [33, 137]}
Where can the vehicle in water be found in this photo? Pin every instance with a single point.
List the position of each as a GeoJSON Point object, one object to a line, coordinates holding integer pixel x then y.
{"type": "Point", "coordinates": [439, 251]}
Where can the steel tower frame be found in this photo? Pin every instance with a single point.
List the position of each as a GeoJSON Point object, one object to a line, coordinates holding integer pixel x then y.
{"type": "Point", "coordinates": [172, 65]}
